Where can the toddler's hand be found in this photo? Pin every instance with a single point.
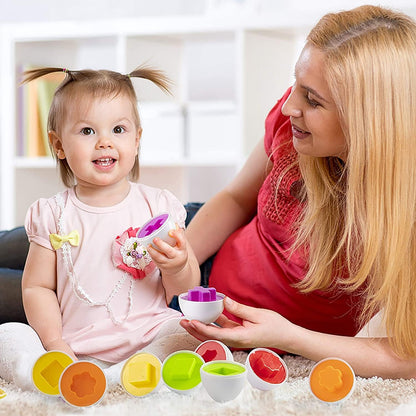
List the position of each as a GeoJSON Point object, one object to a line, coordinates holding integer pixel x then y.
{"type": "Point", "coordinates": [61, 345]}
{"type": "Point", "coordinates": [170, 260]}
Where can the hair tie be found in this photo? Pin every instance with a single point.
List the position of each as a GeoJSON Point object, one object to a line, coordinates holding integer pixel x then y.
{"type": "Point", "coordinates": [65, 70]}
{"type": "Point", "coordinates": [128, 75]}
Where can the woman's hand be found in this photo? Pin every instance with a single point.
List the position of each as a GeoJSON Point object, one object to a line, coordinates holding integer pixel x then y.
{"type": "Point", "coordinates": [264, 328]}
{"type": "Point", "coordinates": [259, 328]}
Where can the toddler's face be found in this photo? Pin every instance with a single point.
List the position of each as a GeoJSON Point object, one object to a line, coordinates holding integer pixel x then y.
{"type": "Point", "coordinates": [99, 139]}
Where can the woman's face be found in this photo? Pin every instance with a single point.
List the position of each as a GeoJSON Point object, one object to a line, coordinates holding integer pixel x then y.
{"type": "Point", "coordinates": [315, 124]}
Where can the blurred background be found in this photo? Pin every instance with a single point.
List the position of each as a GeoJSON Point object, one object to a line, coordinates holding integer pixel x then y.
{"type": "Point", "coordinates": [229, 61]}
{"type": "Point", "coordinates": [47, 10]}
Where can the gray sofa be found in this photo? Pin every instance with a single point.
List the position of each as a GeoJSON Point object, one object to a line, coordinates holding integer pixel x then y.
{"type": "Point", "coordinates": [13, 252]}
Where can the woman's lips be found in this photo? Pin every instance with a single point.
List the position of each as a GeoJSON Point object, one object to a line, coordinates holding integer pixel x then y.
{"type": "Point", "coordinates": [299, 133]}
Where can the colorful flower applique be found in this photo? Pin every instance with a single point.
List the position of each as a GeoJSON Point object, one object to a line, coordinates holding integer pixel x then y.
{"type": "Point", "coordinates": [132, 257]}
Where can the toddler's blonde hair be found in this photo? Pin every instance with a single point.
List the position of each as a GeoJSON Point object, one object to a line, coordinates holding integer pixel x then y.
{"type": "Point", "coordinates": [93, 84]}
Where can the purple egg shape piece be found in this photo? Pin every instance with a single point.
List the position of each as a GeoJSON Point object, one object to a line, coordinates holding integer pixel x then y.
{"type": "Point", "coordinates": [152, 225]}
{"type": "Point", "coordinates": [202, 294]}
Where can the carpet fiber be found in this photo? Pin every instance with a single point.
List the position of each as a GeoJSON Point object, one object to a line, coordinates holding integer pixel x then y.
{"type": "Point", "coordinates": [372, 396]}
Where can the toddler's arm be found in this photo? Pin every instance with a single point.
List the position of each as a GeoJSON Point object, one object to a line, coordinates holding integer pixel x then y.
{"type": "Point", "coordinates": [39, 298]}
{"type": "Point", "coordinates": [178, 265]}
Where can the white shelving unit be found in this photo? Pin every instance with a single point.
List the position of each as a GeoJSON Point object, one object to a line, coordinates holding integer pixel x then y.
{"type": "Point", "coordinates": [226, 73]}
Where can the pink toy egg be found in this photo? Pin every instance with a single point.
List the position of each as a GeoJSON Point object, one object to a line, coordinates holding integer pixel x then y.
{"type": "Point", "coordinates": [213, 350]}
{"type": "Point", "coordinates": [265, 369]}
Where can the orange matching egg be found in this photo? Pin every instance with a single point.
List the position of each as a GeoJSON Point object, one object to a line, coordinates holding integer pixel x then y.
{"type": "Point", "coordinates": [332, 380]}
{"type": "Point", "coordinates": [82, 384]}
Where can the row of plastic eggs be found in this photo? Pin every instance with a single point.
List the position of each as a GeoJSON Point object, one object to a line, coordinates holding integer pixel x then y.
{"type": "Point", "coordinates": [82, 383]}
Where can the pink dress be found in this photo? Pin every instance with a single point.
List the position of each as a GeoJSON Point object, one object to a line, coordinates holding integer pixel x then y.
{"type": "Point", "coordinates": [253, 266]}
{"type": "Point", "coordinates": [107, 312]}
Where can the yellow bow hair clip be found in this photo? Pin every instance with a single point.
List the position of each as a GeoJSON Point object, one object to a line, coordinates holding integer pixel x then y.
{"type": "Point", "coordinates": [57, 240]}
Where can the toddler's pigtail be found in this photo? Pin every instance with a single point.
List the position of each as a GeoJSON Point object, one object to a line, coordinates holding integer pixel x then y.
{"type": "Point", "coordinates": [156, 76]}
{"type": "Point", "coordinates": [32, 74]}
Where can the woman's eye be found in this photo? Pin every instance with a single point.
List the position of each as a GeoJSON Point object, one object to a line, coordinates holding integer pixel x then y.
{"type": "Point", "coordinates": [311, 101]}
{"type": "Point", "coordinates": [118, 129]}
{"type": "Point", "coordinates": [87, 131]}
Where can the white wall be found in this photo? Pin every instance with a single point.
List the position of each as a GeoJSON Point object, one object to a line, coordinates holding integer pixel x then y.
{"type": "Point", "coordinates": [48, 10]}
{"type": "Point", "coordinates": [200, 182]}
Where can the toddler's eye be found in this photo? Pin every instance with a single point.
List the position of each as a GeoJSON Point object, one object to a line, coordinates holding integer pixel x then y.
{"type": "Point", "coordinates": [87, 131]}
{"type": "Point", "coordinates": [118, 129]}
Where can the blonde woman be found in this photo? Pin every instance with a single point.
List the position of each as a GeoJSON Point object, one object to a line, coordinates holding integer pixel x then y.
{"type": "Point", "coordinates": [316, 234]}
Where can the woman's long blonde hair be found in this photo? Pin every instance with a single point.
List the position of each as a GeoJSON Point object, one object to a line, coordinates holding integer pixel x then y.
{"type": "Point", "coordinates": [359, 225]}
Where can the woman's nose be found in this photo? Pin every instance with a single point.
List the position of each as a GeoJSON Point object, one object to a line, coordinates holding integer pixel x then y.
{"type": "Point", "coordinates": [290, 107]}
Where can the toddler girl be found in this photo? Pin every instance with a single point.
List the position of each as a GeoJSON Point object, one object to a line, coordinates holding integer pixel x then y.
{"type": "Point", "coordinates": [90, 289]}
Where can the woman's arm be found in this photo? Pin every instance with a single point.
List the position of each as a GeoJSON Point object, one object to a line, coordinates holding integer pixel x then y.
{"type": "Point", "coordinates": [39, 298]}
{"type": "Point", "coordinates": [264, 328]}
{"type": "Point", "coordinates": [230, 209]}
{"type": "Point", "coordinates": [214, 222]}
{"type": "Point", "coordinates": [368, 356]}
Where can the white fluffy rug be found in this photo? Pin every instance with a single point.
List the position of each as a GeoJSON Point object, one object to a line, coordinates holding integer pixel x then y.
{"type": "Point", "coordinates": [373, 397]}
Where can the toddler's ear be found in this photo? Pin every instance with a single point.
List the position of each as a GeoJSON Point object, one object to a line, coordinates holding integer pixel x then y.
{"type": "Point", "coordinates": [138, 136]}
{"type": "Point", "coordinates": [56, 144]}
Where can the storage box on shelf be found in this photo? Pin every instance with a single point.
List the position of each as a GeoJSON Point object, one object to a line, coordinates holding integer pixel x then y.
{"type": "Point", "coordinates": [225, 77]}
{"type": "Point", "coordinates": [163, 133]}
{"type": "Point", "coordinates": [212, 129]}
